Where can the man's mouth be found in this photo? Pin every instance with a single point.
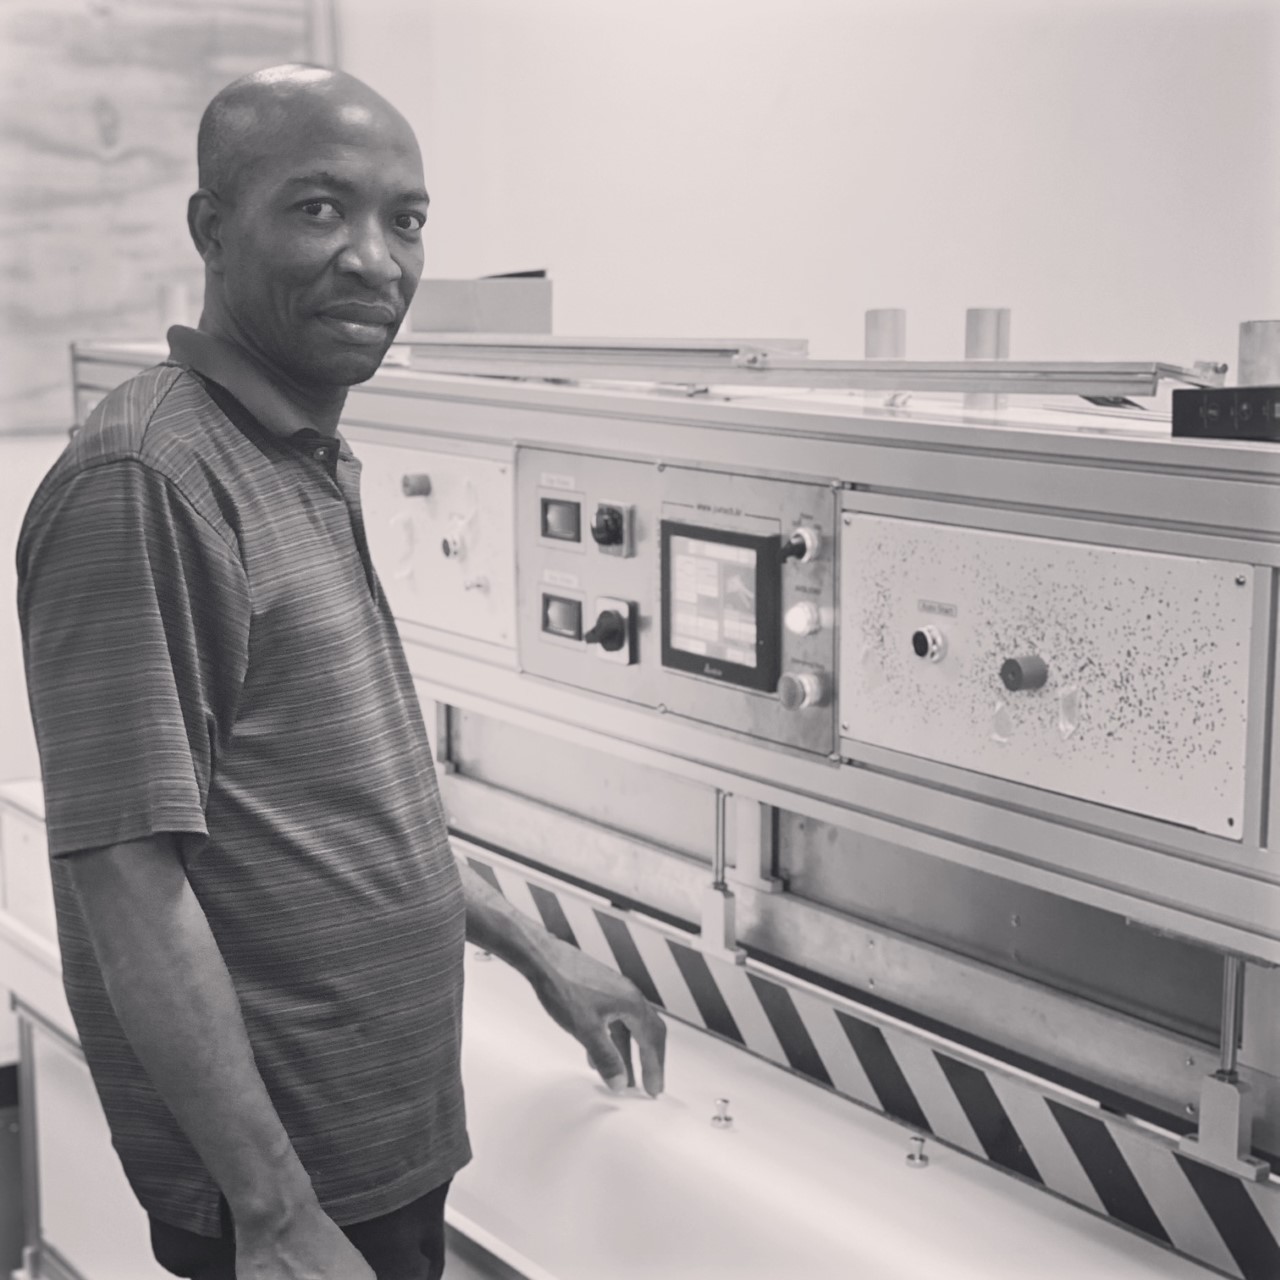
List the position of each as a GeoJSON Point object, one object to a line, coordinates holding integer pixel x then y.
{"type": "Point", "coordinates": [360, 322]}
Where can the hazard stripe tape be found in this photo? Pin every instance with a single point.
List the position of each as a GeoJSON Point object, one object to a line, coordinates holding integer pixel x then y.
{"type": "Point", "coordinates": [1104, 1162]}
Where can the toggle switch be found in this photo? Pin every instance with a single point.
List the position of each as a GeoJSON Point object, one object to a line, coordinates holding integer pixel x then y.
{"type": "Point", "coordinates": [803, 544]}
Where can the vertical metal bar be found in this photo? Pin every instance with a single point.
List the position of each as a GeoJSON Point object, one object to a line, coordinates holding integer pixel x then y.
{"type": "Point", "coordinates": [720, 856]}
{"type": "Point", "coordinates": [1232, 1016]}
{"type": "Point", "coordinates": [28, 1144]}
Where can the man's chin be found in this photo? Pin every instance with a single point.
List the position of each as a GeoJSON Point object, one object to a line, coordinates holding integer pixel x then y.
{"type": "Point", "coordinates": [346, 368]}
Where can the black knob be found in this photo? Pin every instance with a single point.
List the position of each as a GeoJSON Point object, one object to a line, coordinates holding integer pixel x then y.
{"type": "Point", "coordinates": [1028, 672]}
{"type": "Point", "coordinates": [610, 631]}
{"type": "Point", "coordinates": [607, 527]}
{"type": "Point", "coordinates": [920, 643]}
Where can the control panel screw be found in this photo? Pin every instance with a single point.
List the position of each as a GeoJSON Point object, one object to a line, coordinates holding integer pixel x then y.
{"type": "Point", "coordinates": [1191, 1062]}
{"type": "Point", "coordinates": [1190, 1108]}
{"type": "Point", "coordinates": [722, 1119]}
{"type": "Point", "coordinates": [848, 517]}
{"type": "Point", "coordinates": [1241, 580]}
{"type": "Point", "coordinates": [916, 1157]}
{"type": "Point", "coordinates": [662, 708]}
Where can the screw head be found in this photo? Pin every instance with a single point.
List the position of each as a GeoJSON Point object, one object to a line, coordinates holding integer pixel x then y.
{"type": "Point", "coordinates": [722, 1119]}
{"type": "Point", "coordinates": [1241, 580]}
{"type": "Point", "coordinates": [916, 1157]}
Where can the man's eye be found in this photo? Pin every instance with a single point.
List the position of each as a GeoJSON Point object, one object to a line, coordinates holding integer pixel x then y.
{"type": "Point", "coordinates": [410, 221]}
{"type": "Point", "coordinates": [319, 209]}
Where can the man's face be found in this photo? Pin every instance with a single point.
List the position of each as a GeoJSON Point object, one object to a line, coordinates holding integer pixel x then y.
{"type": "Point", "coordinates": [323, 245]}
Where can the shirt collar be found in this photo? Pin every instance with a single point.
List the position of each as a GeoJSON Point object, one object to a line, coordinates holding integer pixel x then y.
{"type": "Point", "coordinates": [226, 364]}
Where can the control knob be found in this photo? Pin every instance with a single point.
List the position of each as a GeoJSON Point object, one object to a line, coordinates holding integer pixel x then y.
{"type": "Point", "coordinates": [798, 689]}
{"type": "Point", "coordinates": [608, 526]}
{"type": "Point", "coordinates": [803, 618]}
{"type": "Point", "coordinates": [609, 632]}
{"type": "Point", "coordinates": [1026, 672]}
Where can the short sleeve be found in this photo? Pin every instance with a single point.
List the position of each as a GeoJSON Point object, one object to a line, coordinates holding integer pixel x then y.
{"type": "Point", "coordinates": [135, 616]}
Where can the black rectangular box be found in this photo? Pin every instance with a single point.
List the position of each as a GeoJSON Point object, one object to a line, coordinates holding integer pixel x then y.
{"type": "Point", "coordinates": [1227, 413]}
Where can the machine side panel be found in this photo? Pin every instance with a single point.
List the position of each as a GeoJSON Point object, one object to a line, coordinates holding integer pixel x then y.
{"type": "Point", "coordinates": [1115, 676]}
{"type": "Point", "coordinates": [441, 532]}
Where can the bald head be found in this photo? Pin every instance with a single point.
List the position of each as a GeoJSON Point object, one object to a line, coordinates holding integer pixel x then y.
{"type": "Point", "coordinates": [261, 116]}
{"type": "Point", "coordinates": [309, 219]}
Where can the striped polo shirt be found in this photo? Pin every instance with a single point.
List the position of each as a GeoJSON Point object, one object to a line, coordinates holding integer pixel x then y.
{"type": "Point", "coordinates": [209, 652]}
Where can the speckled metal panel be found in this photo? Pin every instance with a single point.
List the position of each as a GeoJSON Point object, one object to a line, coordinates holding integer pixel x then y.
{"type": "Point", "coordinates": [1145, 700]}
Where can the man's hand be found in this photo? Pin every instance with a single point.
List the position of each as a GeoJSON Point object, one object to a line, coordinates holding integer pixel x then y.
{"type": "Point", "coordinates": [309, 1247]}
{"type": "Point", "coordinates": [604, 1012]}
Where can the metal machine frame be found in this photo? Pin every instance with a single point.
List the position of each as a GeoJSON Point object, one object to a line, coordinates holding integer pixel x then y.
{"type": "Point", "coordinates": [1028, 471]}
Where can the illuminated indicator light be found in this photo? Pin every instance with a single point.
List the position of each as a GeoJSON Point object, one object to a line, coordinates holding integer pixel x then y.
{"type": "Point", "coordinates": [561, 520]}
{"type": "Point", "coordinates": [562, 617]}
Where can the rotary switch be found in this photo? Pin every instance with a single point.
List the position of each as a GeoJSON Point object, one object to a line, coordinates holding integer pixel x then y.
{"type": "Point", "coordinates": [609, 632]}
{"type": "Point", "coordinates": [608, 526]}
{"type": "Point", "coordinates": [797, 689]}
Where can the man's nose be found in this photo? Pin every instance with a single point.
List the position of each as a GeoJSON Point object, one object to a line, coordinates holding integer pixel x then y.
{"type": "Point", "coordinates": [368, 255]}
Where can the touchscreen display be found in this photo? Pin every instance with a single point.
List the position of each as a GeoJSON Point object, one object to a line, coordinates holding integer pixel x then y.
{"type": "Point", "coordinates": [713, 599]}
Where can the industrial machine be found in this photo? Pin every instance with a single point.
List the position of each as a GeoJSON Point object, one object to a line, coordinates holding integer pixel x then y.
{"type": "Point", "coordinates": [912, 727]}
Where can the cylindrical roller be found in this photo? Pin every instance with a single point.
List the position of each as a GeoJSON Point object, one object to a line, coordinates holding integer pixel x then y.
{"type": "Point", "coordinates": [886, 334]}
{"type": "Point", "coordinates": [986, 337]}
{"type": "Point", "coordinates": [1259, 354]}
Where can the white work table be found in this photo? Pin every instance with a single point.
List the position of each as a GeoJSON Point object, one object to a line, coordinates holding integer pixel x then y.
{"type": "Point", "coordinates": [572, 1183]}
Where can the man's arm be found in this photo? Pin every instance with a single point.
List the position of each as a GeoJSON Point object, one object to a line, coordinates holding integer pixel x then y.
{"type": "Point", "coordinates": [599, 1008]}
{"type": "Point", "coordinates": [171, 991]}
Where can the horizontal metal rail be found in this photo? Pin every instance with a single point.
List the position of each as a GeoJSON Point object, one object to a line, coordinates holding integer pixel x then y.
{"type": "Point", "coordinates": [778, 363]}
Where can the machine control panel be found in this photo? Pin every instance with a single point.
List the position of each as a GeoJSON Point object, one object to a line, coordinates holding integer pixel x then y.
{"type": "Point", "coordinates": [701, 593]}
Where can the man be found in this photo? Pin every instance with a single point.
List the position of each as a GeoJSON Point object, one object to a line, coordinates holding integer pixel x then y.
{"type": "Point", "coordinates": [260, 919]}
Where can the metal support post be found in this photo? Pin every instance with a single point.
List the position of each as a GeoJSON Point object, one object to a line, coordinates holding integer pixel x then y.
{"type": "Point", "coordinates": [751, 833]}
{"type": "Point", "coordinates": [986, 337]}
{"type": "Point", "coordinates": [719, 918]}
{"type": "Point", "coordinates": [885, 338]}
{"type": "Point", "coordinates": [1225, 1136]}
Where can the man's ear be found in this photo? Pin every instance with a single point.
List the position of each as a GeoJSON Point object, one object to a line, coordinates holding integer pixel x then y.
{"type": "Point", "coordinates": [204, 221]}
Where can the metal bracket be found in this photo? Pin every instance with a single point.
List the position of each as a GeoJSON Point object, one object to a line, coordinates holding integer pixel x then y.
{"type": "Point", "coordinates": [1225, 1136]}
{"type": "Point", "coordinates": [719, 907]}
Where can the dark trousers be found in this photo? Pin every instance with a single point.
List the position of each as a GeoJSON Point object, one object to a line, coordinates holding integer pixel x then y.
{"type": "Point", "coordinates": [407, 1244]}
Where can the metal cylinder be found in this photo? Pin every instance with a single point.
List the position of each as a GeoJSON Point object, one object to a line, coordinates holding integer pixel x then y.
{"type": "Point", "coordinates": [1259, 364]}
{"type": "Point", "coordinates": [986, 337]}
{"type": "Point", "coordinates": [885, 336]}
{"type": "Point", "coordinates": [1232, 1015]}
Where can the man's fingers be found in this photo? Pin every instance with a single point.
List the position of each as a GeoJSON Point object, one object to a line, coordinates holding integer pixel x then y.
{"type": "Point", "coordinates": [621, 1038]}
{"type": "Point", "coordinates": [605, 1058]}
{"type": "Point", "coordinates": [650, 1034]}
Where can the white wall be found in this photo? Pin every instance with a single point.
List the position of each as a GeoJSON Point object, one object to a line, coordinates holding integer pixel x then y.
{"type": "Point", "coordinates": [1110, 169]}
{"type": "Point", "coordinates": [23, 463]}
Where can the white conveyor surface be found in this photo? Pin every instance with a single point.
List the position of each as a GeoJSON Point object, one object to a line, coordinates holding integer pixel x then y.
{"type": "Point", "coordinates": [571, 1183]}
